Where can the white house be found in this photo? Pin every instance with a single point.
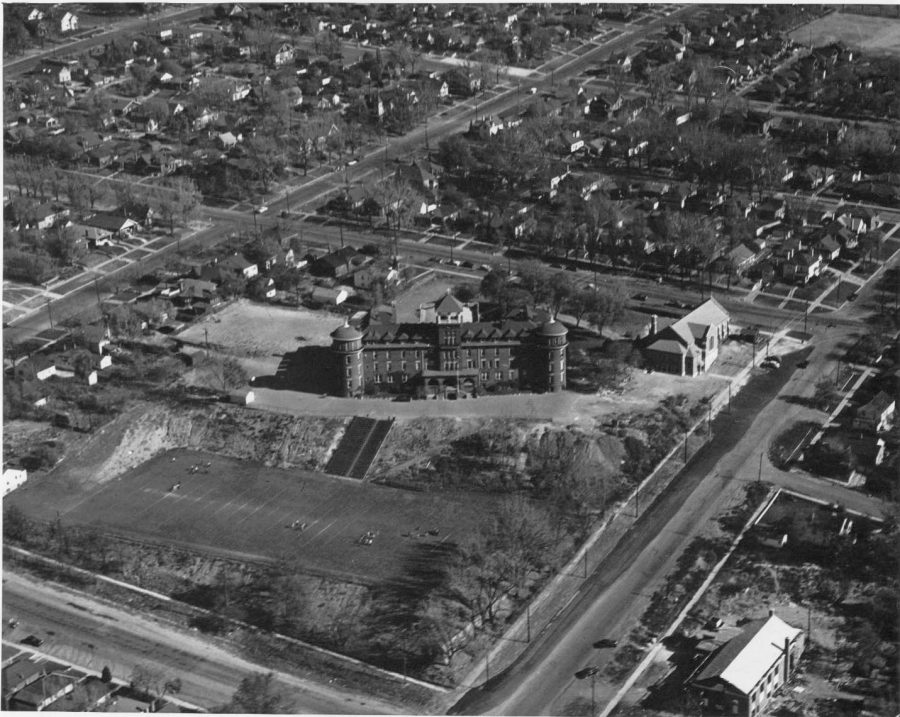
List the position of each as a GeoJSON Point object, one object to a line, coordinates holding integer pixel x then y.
{"type": "Point", "coordinates": [324, 295]}
{"type": "Point", "coordinates": [68, 22]}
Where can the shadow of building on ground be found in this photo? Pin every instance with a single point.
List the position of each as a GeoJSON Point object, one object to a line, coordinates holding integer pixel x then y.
{"type": "Point", "coordinates": [309, 369]}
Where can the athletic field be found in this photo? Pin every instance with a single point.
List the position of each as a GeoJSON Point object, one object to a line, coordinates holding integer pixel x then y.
{"type": "Point", "coordinates": [240, 509]}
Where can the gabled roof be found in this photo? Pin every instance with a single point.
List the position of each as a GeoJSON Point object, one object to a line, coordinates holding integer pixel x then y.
{"type": "Point", "coordinates": [110, 222]}
{"type": "Point", "coordinates": [709, 312]}
{"type": "Point", "coordinates": [744, 660]}
{"type": "Point", "coordinates": [449, 304]}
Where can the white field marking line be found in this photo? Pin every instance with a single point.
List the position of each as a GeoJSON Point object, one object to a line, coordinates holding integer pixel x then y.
{"type": "Point", "coordinates": [185, 495]}
{"type": "Point", "coordinates": [323, 529]}
{"type": "Point", "coordinates": [264, 504]}
{"type": "Point", "coordinates": [241, 494]}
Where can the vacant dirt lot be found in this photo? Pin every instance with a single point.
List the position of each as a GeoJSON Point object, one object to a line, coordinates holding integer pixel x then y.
{"type": "Point", "coordinates": [876, 34]}
{"type": "Point", "coordinates": [258, 335]}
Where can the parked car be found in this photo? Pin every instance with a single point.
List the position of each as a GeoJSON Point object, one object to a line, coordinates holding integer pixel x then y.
{"type": "Point", "coordinates": [32, 641]}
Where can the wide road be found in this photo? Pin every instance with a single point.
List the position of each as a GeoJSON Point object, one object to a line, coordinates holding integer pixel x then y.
{"type": "Point", "coordinates": [613, 599]}
{"type": "Point", "coordinates": [455, 119]}
{"type": "Point", "coordinates": [554, 73]}
{"type": "Point", "coordinates": [15, 68]}
{"type": "Point", "coordinates": [86, 632]}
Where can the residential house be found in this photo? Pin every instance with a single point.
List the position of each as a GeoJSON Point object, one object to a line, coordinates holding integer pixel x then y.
{"type": "Point", "coordinates": [368, 276]}
{"type": "Point", "coordinates": [420, 174]}
{"type": "Point", "coordinates": [461, 83]}
{"type": "Point", "coordinates": [828, 247]}
{"type": "Point", "coordinates": [771, 209]}
{"type": "Point", "coordinates": [118, 226]}
{"type": "Point", "coordinates": [339, 263]}
{"type": "Point", "coordinates": [859, 219]}
{"type": "Point", "coordinates": [876, 415]}
{"type": "Point", "coordinates": [226, 140]}
{"type": "Point", "coordinates": [197, 290]}
{"type": "Point", "coordinates": [355, 197]}
{"type": "Point", "coordinates": [690, 345]}
{"type": "Point", "coordinates": [93, 236]}
{"type": "Point", "coordinates": [742, 676]}
{"type": "Point", "coordinates": [68, 22]}
{"type": "Point", "coordinates": [571, 142]}
{"type": "Point", "coordinates": [802, 267]}
{"type": "Point", "coordinates": [46, 215]}
{"type": "Point", "coordinates": [283, 55]}
{"type": "Point", "coordinates": [738, 259]}
{"type": "Point", "coordinates": [95, 338]}
{"type": "Point", "coordinates": [58, 71]}
{"type": "Point", "coordinates": [238, 265]}
{"type": "Point", "coordinates": [332, 297]}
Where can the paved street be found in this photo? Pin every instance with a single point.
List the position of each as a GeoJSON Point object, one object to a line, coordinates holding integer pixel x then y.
{"type": "Point", "coordinates": [93, 633]}
{"type": "Point", "coordinates": [613, 599]}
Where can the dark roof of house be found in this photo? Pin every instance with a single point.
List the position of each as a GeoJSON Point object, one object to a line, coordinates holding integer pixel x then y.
{"type": "Point", "coordinates": [337, 258]}
{"type": "Point", "coordinates": [110, 222]}
{"type": "Point", "coordinates": [880, 403]}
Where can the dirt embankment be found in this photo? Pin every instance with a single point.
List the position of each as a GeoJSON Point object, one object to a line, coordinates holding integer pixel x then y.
{"type": "Point", "coordinates": [267, 438]}
{"type": "Point", "coordinates": [489, 454]}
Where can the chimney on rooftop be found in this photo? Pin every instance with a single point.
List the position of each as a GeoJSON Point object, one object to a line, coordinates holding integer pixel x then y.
{"type": "Point", "coordinates": [787, 659]}
{"type": "Point", "coordinates": [654, 324]}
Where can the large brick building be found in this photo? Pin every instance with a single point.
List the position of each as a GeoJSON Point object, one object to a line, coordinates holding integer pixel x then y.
{"type": "Point", "coordinates": [449, 353]}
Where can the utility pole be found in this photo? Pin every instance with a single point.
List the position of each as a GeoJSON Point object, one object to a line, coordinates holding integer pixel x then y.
{"type": "Point", "coordinates": [97, 290]}
{"type": "Point", "coordinates": [709, 419]}
{"type": "Point", "coordinates": [759, 474]}
{"type": "Point", "coordinates": [49, 313]}
{"type": "Point", "coordinates": [528, 621]}
{"type": "Point", "coordinates": [686, 447]}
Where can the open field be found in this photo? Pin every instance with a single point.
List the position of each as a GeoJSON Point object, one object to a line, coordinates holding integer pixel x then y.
{"type": "Point", "coordinates": [258, 335]}
{"type": "Point", "coordinates": [241, 509]}
{"type": "Point", "coordinates": [875, 34]}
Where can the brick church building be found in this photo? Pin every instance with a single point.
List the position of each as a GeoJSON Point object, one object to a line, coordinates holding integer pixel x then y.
{"type": "Point", "coordinates": [448, 353]}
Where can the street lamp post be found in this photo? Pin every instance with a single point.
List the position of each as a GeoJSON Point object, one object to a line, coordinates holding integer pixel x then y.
{"type": "Point", "coordinates": [590, 671]}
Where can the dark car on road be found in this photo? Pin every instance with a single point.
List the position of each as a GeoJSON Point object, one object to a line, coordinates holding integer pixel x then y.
{"type": "Point", "coordinates": [605, 642]}
{"type": "Point", "coordinates": [32, 641]}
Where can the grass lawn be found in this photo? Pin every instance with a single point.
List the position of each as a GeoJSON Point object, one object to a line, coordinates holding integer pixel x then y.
{"type": "Point", "coordinates": [444, 241]}
{"type": "Point", "coordinates": [764, 300]}
{"type": "Point", "coordinates": [780, 289]}
{"type": "Point", "coordinates": [838, 295]}
{"type": "Point", "coordinates": [241, 509]}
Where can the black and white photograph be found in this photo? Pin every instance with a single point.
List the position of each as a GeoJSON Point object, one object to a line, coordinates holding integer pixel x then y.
{"type": "Point", "coordinates": [452, 358]}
